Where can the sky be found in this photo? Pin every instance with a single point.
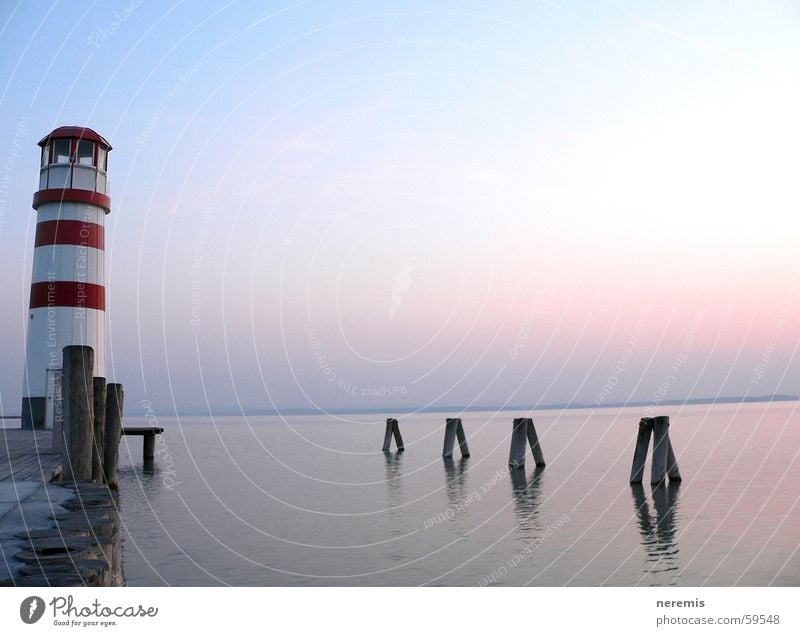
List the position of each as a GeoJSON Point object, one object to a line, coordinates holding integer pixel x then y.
{"type": "Point", "coordinates": [356, 205]}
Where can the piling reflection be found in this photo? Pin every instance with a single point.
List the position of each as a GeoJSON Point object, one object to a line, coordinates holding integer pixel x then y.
{"type": "Point", "coordinates": [455, 480]}
{"type": "Point", "coordinates": [146, 478]}
{"type": "Point", "coordinates": [658, 531]}
{"type": "Point", "coordinates": [459, 499]}
{"type": "Point", "coordinates": [526, 492]}
{"type": "Point", "coordinates": [394, 462]}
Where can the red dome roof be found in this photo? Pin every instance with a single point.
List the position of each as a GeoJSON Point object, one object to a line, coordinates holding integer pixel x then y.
{"type": "Point", "coordinates": [75, 131]}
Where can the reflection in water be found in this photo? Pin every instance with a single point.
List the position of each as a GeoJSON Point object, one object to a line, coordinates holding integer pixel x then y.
{"type": "Point", "coordinates": [526, 500]}
{"type": "Point", "coordinates": [458, 498]}
{"type": "Point", "coordinates": [394, 484]}
{"type": "Point", "coordinates": [455, 481]}
{"type": "Point", "coordinates": [143, 495]}
{"type": "Point", "coordinates": [658, 533]}
{"type": "Point", "coordinates": [147, 479]}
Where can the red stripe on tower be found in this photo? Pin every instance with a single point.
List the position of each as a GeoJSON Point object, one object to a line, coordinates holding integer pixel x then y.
{"type": "Point", "coordinates": [61, 293]}
{"type": "Point", "coordinates": [70, 233]}
{"type": "Point", "coordinates": [68, 277]}
{"type": "Point", "coordinates": [72, 195]}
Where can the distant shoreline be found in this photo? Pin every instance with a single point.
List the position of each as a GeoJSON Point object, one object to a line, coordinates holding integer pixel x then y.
{"type": "Point", "coordinates": [227, 411]}
{"type": "Point", "coordinates": [484, 408]}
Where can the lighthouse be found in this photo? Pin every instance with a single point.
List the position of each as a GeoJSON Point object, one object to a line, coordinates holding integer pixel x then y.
{"type": "Point", "coordinates": [67, 300]}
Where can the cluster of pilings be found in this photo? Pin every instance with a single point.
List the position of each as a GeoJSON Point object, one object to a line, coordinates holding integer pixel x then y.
{"type": "Point", "coordinates": [663, 463]}
{"type": "Point", "coordinates": [88, 430]}
{"type": "Point", "coordinates": [81, 542]}
{"type": "Point", "coordinates": [523, 434]}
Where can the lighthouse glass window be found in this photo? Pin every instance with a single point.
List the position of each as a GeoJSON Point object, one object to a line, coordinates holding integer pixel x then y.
{"type": "Point", "coordinates": [85, 153]}
{"type": "Point", "coordinates": [61, 151]}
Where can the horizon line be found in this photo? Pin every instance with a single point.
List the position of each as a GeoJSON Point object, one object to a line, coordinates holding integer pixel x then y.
{"type": "Point", "coordinates": [253, 410]}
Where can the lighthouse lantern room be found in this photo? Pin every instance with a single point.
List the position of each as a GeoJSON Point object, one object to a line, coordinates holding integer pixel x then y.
{"type": "Point", "coordinates": [67, 300]}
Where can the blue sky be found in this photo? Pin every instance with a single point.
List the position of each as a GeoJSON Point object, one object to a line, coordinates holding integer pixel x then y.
{"type": "Point", "coordinates": [439, 202]}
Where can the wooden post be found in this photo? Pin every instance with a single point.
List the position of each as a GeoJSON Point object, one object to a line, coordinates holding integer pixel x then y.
{"type": "Point", "coordinates": [658, 468]}
{"type": "Point", "coordinates": [672, 462]}
{"type": "Point", "coordinates": [387, 438]}
{"type": "Point", "coordinates": [454, 428]}
{"type": "Point", "coordinates": [59, 431]}
{"type": "Point", "coordinates": [149, 452]}
{"type": "Point", "coordinates": [114, 405]}
{"type": "Point", "coordinates": [640, 453]}
{"type": "Point", "coordinates": [149, 446]}
{"type": "Point", "coordinates": [450, 436]}
{"type": "Point", "coordinates": [533, 440]}
{"type": "Point", "coordinates": [462, 440]}
{"type": "Point", "coordinates": [99, 430]}
{"type": "Point", "coordinates": [392, 428]}
{"type": "Point", "coordinates": [398, 439]}
{"type": "Point", "coordinates": [516, 457]}
{"type": "Point", "coordinates": [77, 387]}
{"type": "Point", "coordinates": [523, 431]}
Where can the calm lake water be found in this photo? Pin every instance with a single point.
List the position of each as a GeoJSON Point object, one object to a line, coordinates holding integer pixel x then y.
{"type": "Point", "coordinates": [311, 500]}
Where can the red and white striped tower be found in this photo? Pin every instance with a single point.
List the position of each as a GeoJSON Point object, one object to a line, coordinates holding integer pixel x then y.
{"type": "Point", "coordinates": [67, 303]}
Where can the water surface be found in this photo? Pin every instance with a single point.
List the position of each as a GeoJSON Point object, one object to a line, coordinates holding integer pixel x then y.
{"type": "Point", "coordinates": [311, 500]}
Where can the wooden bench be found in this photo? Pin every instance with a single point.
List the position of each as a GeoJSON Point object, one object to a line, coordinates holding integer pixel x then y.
{"type": "Point", "coordinates": [149, 433]}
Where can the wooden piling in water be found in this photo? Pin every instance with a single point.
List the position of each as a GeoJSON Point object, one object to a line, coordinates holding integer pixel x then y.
{"type": "Point", "coordinates": [387, 438]}
{"type": "Point", "coordinates": [149, 447]}
{"type": "Point", "coordinates": [59, 432]}
{"type": "Point", "coordinates": [392, 428]}
{"type": "Point", "coordinates": [658, 467]}
{"type": "Point", "coordinates": [524, 433]}
{"type": "Point", "coordinates": [664, 463]}
{"type": "Point", "coordinates": [78, 389]}
{"type": "Point", "coordinates": [148, 435]}
{"type": "Point", "coordinates": [533, 440]}
{"type": "Point", "coordinates": [398, 439]}
{"type": "Point", "coordinates": [673, 472]}
{"type": "Point", "coordinates": [640, 453]}
{"type": "Point", "coordinates": [99, 429]}
{"type": "Point", "coordinates": [516, 456]}
{"type": "Point", "coordinates": [462, 439]}
{"type": "Point", "coordinates": [449, 436]}
{"type": "Point", "coordinates": [454, 428]}
{"type": "Point", "coordinates": [114, 407]}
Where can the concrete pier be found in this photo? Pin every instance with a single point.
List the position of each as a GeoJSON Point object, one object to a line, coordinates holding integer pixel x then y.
{"type": "Point", "coordinates": [53, 533]}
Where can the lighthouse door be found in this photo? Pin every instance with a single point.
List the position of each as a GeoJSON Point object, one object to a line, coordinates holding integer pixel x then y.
{"type": "Point", "coordinates": [54, 406]}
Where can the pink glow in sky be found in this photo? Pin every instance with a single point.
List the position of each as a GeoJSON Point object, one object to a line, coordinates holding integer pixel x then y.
{"type": "Point", "coordinates": [341, 207]}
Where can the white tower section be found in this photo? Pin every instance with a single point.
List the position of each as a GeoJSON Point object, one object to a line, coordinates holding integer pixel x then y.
{"type": "Point", "coordinates": [67, 302]}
